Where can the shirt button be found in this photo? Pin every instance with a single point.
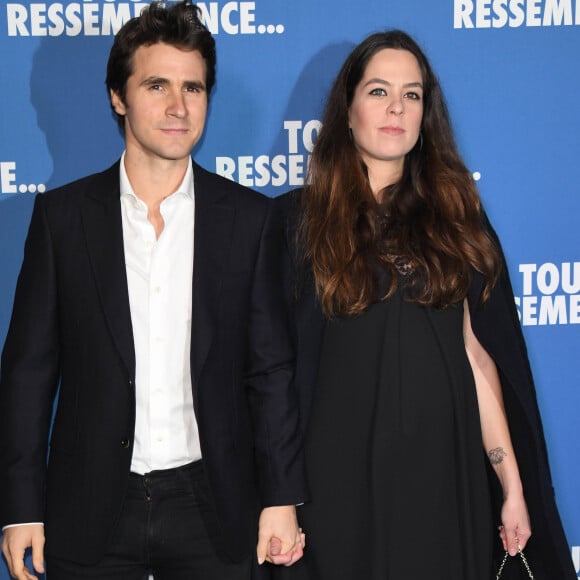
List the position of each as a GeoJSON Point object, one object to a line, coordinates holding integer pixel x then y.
{"type": "Point", "coordinates": [126, 443]}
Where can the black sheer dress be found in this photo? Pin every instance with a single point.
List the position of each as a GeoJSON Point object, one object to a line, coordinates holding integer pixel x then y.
{"type": "Point", "coordinates": [394, 452]}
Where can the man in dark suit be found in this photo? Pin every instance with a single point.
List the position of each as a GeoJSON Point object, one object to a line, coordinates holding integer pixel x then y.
{"type": "Point", "coordinates": [150, 294]}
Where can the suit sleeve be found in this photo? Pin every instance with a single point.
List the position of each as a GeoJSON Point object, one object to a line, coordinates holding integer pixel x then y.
{"type": "Point", "coordinates": [29, 378]}
{"type": "Point", "coordinates": [272, 395]}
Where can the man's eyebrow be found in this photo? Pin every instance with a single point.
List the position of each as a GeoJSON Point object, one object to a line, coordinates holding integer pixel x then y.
{"type": "Point", "coordinates": [155, 81]}
{"type": "Point", "coordinates": [195, 85]}
{"type": "Point", "coordinates": [149, 81]}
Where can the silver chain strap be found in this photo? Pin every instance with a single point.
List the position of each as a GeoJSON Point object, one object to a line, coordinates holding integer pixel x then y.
{"type": "Point", "coordinates": [505, 557]}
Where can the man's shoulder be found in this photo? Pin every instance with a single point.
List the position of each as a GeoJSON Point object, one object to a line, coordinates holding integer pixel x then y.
{"type": "Point", "coordinates": [288, 207]}
{"type": "Point", "coordinates": [214, 183]}
{"type": "Point", "coordinates": [74, 190]}
{"type": "Point", "coordinates": [290, 201]}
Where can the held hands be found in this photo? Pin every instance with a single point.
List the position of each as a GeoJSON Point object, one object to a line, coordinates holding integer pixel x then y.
{"type": "Point", "coordinates": [515, 529]}
{"type": "Point", "coordinates": [14, 544]}
{"type": "Point", "coordinates": [280, 540]}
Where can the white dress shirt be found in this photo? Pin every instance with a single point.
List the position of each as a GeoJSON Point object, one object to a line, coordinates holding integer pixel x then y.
{"type": "Point", "coordinates": [159, 277]}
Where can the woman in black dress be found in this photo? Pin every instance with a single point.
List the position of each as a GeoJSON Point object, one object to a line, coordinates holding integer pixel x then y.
{"type": "Point", "coordinates": [395, 271]}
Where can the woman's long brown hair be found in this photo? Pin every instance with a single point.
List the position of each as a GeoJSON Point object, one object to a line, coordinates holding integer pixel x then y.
{"type": "Point", "coordinates": [428, 225]}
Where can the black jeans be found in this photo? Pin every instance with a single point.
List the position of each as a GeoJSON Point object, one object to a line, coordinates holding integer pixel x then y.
{"type": "Point", "coordinates": [168, 528]}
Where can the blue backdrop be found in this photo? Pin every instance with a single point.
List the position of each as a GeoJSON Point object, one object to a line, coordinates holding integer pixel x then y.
{"type": "Point", "coordinates": [508, 68]}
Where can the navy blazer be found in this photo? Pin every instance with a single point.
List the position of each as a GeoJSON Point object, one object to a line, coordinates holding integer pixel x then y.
{"type": "Point", "coordinates": [71, 325]}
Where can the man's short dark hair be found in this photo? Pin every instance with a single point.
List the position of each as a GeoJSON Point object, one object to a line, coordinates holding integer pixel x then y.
{"type": "Point", "coordinates": [179, 26]}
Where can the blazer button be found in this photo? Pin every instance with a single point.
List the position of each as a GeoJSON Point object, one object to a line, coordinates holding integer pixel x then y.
{"type": "Point", "coordinates": [126, 443]}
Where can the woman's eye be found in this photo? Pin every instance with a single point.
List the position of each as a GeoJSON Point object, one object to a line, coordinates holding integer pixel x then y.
{"type": "Point", "coordinates": [379, 92]}
{"type": "Point", "coordinates": [413, 96]}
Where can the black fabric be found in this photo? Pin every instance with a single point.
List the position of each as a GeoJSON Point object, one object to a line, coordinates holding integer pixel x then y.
{"type": "Point", "coordinates": [167, 527]}
{"type": "Point", "coordinates": [394, 440]}
{"type": "Point", "coordinates": [71, 326]}
{"type": "Point", "coordinates": [497, 328]}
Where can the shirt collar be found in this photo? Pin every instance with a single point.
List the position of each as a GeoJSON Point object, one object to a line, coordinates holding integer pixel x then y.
{"type": "Point", "coordinates": [185, 187]}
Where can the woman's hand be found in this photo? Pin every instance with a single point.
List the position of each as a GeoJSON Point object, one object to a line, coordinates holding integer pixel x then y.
{"type": "Point", "coordinates": [515, 529]}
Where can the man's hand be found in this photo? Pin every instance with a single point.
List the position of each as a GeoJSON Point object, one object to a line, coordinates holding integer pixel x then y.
{"type": "Point", "coordinates": [14, 544]}
{"type": "Point", "coordinates": [280, 540]}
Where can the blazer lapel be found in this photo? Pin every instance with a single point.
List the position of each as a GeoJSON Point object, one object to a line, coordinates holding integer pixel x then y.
{"type": "Point", "coordinates": [214, 220]}
{"type": "Point", "coordinates": [101, 215]}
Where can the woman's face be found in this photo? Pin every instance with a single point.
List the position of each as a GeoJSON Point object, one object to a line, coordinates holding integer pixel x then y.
{"type": "Point", "coordinates": [385, 114]}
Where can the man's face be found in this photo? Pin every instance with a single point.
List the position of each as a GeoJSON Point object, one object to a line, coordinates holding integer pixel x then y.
{"type": "Point", "coordinates": [165, 104]}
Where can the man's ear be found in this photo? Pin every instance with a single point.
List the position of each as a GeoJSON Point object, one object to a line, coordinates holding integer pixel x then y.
{"type": "Point", "coordinates": [117, 103]}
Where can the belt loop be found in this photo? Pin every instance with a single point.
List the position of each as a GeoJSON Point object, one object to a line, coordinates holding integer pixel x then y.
{"type": "Point", "coordinates": [147, 487]}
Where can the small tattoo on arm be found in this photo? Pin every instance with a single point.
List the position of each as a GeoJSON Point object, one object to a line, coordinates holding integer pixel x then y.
{"type": "Point", "coordinates": [496, 455]}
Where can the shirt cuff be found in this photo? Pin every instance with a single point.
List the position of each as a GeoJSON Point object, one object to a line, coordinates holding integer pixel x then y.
{"type": "Point", "coordinates": [24, 524]}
